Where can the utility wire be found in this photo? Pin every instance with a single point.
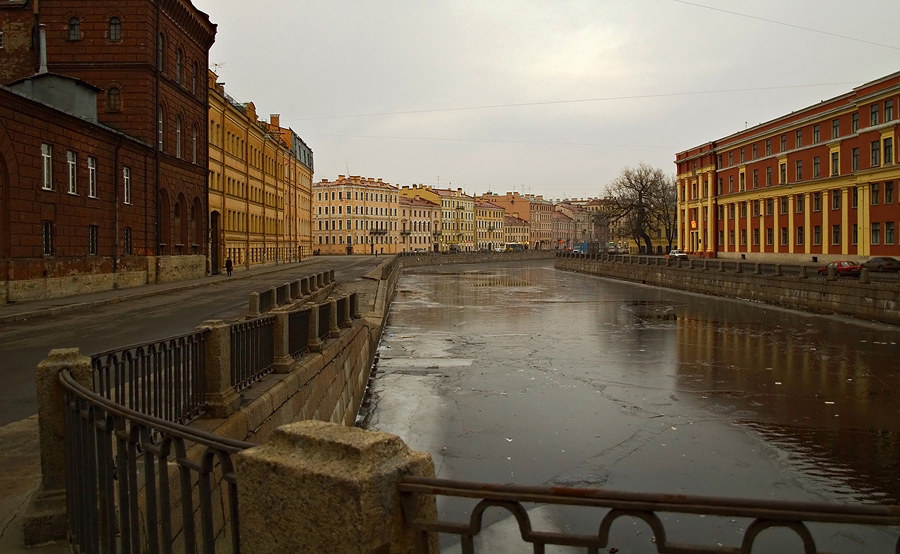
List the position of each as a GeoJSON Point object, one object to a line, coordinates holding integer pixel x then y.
{"type": "Point", "coordinates": [791, 25]}
{"type": "Point", "coordinates": [490, 141]}
{"type": "Point", "coordinates": [577, 101]}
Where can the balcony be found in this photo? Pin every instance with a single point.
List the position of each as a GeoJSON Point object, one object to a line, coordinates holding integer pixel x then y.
{"type": "Point", "coordinates": [378, 232]}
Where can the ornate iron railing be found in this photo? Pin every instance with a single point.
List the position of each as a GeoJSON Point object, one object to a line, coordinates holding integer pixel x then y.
{"type": "Point", "coordinates": [612, 505]}
{"type": "Point", "coordinates": [252, 350]}
{"type": "Point", "coordinates": [126, 471]}
{"type": "Point", "coordinates": [164, 378]}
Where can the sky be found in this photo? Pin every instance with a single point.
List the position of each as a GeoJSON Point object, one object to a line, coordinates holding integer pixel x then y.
{"type": "Point", "coordinates": [538, 97]}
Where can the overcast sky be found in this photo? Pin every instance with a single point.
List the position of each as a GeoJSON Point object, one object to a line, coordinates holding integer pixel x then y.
{"type": "Point", "coordinates": [551, 98]}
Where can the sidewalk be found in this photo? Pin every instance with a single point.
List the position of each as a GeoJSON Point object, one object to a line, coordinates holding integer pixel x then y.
{"type": "Point", "coordinates": [29, 309]}
{"type": "Point", "coordinates": [20, 470]}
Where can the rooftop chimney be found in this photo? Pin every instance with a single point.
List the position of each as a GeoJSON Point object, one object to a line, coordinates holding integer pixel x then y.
{"type": "Point", "coordinates": [43, 47]}
{"type": "Point", "coordinates": [275, 119]}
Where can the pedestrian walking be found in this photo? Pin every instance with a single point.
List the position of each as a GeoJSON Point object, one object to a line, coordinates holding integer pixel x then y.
{"type": "Point", "coordinates": [228, 266]}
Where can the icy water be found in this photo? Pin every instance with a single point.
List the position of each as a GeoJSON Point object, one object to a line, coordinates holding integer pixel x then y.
{"type": "Point", "coordinates": [524, 374]}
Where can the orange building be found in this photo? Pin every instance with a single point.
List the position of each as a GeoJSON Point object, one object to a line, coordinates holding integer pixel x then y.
{"type": "Point", "coordinates": [355, 215]}
{"type": "Point", "coordinates": [818, 183]}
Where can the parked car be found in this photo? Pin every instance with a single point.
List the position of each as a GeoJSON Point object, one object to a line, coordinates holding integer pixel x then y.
{"type": "Point", "coordinates": [883, 263]}
{"type": "Point", "coordinates": [842, 268]}
{"type": "Point", "coordinates": [676, 254]}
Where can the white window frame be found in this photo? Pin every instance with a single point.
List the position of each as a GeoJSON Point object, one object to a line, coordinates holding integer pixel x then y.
{"type": "Point", "coordinates": [92, 177]}
{"type": "Point", "coordinates": [72, 164]}
{"type": "Point", "coordinates": [126, 183]}
{"type": "Point", "coordinates": [47, 159]}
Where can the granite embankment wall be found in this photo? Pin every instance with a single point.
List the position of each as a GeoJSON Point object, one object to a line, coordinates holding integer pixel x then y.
{"type": "Point", "coordinates": [418, 260]}
{"type": "Point", "coordinates": [327, 385]}
{"type": "Point", "coordinates": [878, 301]}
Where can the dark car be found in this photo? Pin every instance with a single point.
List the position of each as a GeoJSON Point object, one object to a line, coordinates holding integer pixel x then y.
{"type": "Point", "coordinates": [842, 268]}
{"type": "Point", "coordinates": [882, 264]}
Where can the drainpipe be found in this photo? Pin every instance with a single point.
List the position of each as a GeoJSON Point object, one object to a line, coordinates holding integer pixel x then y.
{"type": "Point", "coordinates": [116, 170]}
{"type": "Point", "coordinates": [156, 149]}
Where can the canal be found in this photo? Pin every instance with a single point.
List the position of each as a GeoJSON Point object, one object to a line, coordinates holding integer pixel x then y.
{"type": "Point", "coordinates": [519, 373]}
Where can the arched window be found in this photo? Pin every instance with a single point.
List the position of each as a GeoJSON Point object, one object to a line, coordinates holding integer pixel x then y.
{"type": "Point", "coordinates": [178, 136]}
{"type": "Point", "coordinates": [159, 128]}
{"type": "Point", "coordinates": [114, 32]}
{"type": "Point", "coordinates": [113, 99]}
{"type": "Point", "coordinates": [195, 77]}
{"type": "Point", "coordinates": [194, 134]}
{"type": "Point", "coordinates": [161, 52]}
{"type": "Point", "coordinates": [74, 29]}
{"type": "Point", "coordinates": [179, 65]}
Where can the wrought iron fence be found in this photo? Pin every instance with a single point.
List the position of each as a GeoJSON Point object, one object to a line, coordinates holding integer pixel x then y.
{"type": "Point", "coordinates": [324, 319]}
{"type": "Point", "coordinates": [164, 378]}
{"type": "Point", "coordinates": [125, 471]}
{"type": "Point", "coordinates": [252, 350]}
{"type": "Point", "coordinates": [613, 505]}
{"type": "Point", "coordinates": [298, 331]}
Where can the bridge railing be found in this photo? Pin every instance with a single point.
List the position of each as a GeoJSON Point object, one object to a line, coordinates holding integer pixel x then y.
{"type": "Point", "coordinates": [609, 506]}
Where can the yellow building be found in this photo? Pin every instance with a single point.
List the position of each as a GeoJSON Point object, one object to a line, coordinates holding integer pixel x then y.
{"type": "Point", "coordinates": [457, 215]}
{"type": "Point", "coordinates": [516, 231]}
{"type": "Point", "coordinates": [420, 223]}
{"type": "Point", "coordinates": [489, 226]}
{"type": "Point", "coordinates": [355, 215]}
{"type": "Point", "coordinates": [259, 186]}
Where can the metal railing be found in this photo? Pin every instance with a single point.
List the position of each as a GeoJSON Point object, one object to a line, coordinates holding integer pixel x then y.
{"type": "Point", "coordinates": [613, 505]}
{"type": "Point", "coordinates": [164, 378]}
{"type": "Point", "coordinates": [298, 332]}
{"type": "Point", "coordinates": [252, 350]}
{"type": "Point", "coordinates": [126, 471]}
{"type": "Point", "coordinates": [324, 320]}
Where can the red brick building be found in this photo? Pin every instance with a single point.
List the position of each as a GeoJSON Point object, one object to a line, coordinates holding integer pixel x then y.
{"type": "Point", "coordinates": [147, 59]}
{"type": "Point", "coordinates": [819, 182]}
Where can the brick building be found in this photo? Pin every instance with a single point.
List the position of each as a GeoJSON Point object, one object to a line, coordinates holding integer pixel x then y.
{"type": "Point", "coordinates": [819, 182]}
{"type": "Point", "coordinates": [260, 181]}
{"type": "Point", "coordinates": [355, 215]}
{"type": "Point", "coordinates": [147, 59]}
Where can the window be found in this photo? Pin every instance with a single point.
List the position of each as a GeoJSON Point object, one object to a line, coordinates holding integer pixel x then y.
{"type": "Point", "coordinates": [113, 99]}
{"type": "Point", "coordinates": [742, 154]}
{"type": "Point", "coordinates": [743, 210]}
{"type": "Point", "coordinates": [799, 234]}
{"type": "Point", "coordinates": [798, 140]}
{"type": "Point", "coordinates": [47, 237]}
{"type": "Point", "coordinates": [889, 192]}
{"type": "Point", "coordinates": [159, 128]}
{"type": "Point", "coordinates": [72, 164]}
{"type": "Point", "coordinates": [770, 236]}
{"type": "Point", "coordinates": [835, 234]}
{"type": "Point", "coordinates": [756, 208]}
{"type": "Point", "coordinates": [835, 163]}
{"type": "Point", "coordinates": [817, 166]}
{"type": "Point", "coordinates": [74, 29]}
{"type": "Point", "coordinates": [784, 205]}
{"type": "Point", "coordinates": [755, 153]}
{"type": "Point", "coordinates": [731, 238]}
{"type": "Point", "coordinates": [731, 158]}
{"type": "Point", "coordinates": [770, 206]}
{"type": "Point", "coordinates": [817, 201]}
{"type": "Point", "coordinates": [876, 153]}
{"type": "Point", "coordinates": [836, 199]}
{"type": "Point", "coordinates": [888, 150]}
{"type": "Point", "coordinates": [195, 75]}
{"type": "Point", "coordinates": [194, 134]}
{"type": "Point", "coordinates": [873, 114]}
{"type": "Point", "coordinates": [731, 211]}
{"type": "Point", "coordinates": [93, 237]}
{"type": "Point", "coordinates": [817, 235]}
{"type": "Point", "coordinates": [783, 175]}
{"type": "Point", "coordinates": [784, 236]}
{"type": "Point", "coordinates": [743, 237]}
{"type": "Point", "coordinates": [743, 181]}
{"type": "Point", "coordinates": [126, 183]}
{"type": "Point", "coordinates": [718, 187]}
{"type": "Point", "coordinates": [854, 197]}
{"type": "Point", "coordinates": [799, 172]}
{"type": "Point", "coordinates": [769, 176]}
{"type": "Point", "coordinates": [179, 65]}
{"type": "Point", "coordinates": [816, 137]}
{"type": "Point", "coordinates": [854, 234]}
{"type": "Point", "coordinates": [876, 194]}
{"type": "Point", "coordinates": [127, 240]}
{"type": "Point", "coordinates": [731, 183]}
{"type": "Point", "coordinates": [755, 237]}
{"type": "Point", "coordinates": [768, 147]}
{"type": "Point", "coordinates": [799, 203]}
{"type": "Point", "coordinates": [755, 178]}
{"type": "Point", "coordinates": [854, 159]}
{"type": "Point", "coordinates": [178, 137]}
{"type": "Point", "coordinates": [876, 233]}
{"type": "Point", "coordinates": [835, 128]}
{"type": "Point", "coordinates": [783, 143]}
{"type": "Point", "coordinates": [888, 110]}
{"type": "Point", "coordinates": [854, 123]}
{"type": "Point", "coordinates": [161, 52]}
{"type": "Point", "coordinates": [114, 29]}
{"type": "Point", "coordinates": [889, 232]}
{"type": "Point", "coordinates": [1, 39]}
{"type": "Point", "coordinates": [47, 159]}
{"type": "Point", "coordinates": [92, 177]}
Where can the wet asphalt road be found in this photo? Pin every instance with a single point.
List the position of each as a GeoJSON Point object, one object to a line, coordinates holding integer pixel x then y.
{"type": "Point", "coordinates": [524, 374]}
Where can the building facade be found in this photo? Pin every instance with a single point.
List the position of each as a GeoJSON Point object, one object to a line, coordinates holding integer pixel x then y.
{"type": "Point", "coordinates": [420, 223]}
{"type": "Point", "coordinates": [563, 234]}
{"type": "Point", "coordinates": [488, 226]}
{"type": "Point", "coordinates": [457, 215]}
{"type": "Point", "coordinates": [355, 215]}
{"type": "Point", "coordinates": [260, 178]}
{"type": "Point", "coordinates": [516, 231]}
{"type": "Point", "coordinates": [143, 61]}
{"type": "Point", "coordinates": [819, 183]}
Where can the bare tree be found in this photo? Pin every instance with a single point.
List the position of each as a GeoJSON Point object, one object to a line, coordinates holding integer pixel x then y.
{"type": "Point", "coordinates": [642, 201]}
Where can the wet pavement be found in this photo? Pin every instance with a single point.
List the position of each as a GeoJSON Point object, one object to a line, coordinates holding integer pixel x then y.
{"type": "Point", "coordinates": [524, 374]}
